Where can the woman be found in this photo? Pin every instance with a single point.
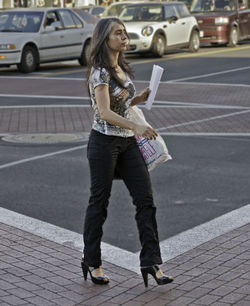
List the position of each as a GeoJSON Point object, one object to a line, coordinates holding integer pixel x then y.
{"type": "Point", "coordinates": [112, 149]}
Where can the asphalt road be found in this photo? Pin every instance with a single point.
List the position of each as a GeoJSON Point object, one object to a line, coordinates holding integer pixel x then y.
{"type": "Point", "coordinates": [208, 176]}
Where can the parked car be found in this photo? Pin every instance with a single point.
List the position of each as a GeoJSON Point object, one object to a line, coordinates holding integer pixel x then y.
{"type": "Point", "coordinates": [157, 27]}
{"type": "Point", "coordinates": [29, 37]}
{"type": "Point", "coordinates": [222, 21]}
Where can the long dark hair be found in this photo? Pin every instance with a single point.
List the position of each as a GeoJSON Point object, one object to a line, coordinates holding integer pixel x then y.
{"type": "Point", "coordinates": [99, 52]}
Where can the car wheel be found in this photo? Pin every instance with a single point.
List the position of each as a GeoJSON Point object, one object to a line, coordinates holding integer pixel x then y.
{"type": "Point", "coordinates": [234, 37]}
{"type": "Point", "coordinates": [29, 60]}
{"type": "Point", "coordinates": [194, 43]}
{"type": "Point", "coordinates": [159, 44]}
{"type": "Point", "coordinates": [83, 60]}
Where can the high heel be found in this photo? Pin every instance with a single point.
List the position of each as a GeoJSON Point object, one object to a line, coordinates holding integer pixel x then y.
{"type": "Point", "coordinates": [100, 280]}
{"type": "Point", "coordinates": [163, 280]}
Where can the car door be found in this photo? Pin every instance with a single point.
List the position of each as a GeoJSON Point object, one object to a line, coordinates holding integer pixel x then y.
{"type": "Point", "coordinates": [73, 33]}
{"type": "Point", "coordinates": [244, 17]}
{"type": "Point", "coordinates": [52, 41]}
{"type": "Point", "coordinates": [185, 20]}
{"type": "Point", "coordinates": [173, 26]}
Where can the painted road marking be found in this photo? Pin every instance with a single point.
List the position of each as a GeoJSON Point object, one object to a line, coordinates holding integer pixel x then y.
{"type": "Point", "coordinates": [209, 74]}
{"type": "Point", "coordinates": [26, 160]}
{"type": "Point", "coordinates": [170, 247]}
{"type": "Point", "coordinates": [202, 120]}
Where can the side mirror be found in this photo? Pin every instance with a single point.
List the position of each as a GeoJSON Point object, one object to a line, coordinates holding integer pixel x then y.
{"type": "Point", "coordinates": [172, 19]}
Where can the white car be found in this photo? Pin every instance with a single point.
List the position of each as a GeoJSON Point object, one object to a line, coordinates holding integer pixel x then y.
{"type": "Point", "coordinates": [156, 27]}
{"type": "Point", "coordinates": [29, 37]}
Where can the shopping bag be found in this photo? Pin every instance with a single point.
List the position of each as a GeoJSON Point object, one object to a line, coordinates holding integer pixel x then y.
{"type": "Point", "coordinates": [154, 151]}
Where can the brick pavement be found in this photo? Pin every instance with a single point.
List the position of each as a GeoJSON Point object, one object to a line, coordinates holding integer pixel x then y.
{"type": "Point", "coordinates": [36, 271]}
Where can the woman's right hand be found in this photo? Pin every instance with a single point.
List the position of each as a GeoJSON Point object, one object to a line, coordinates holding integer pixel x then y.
{"type": "Point", "coordinates": [145, 131]}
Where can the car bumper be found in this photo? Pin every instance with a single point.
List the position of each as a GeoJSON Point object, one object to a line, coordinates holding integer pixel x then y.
{"type": "Point", "coordinates": [141, 44]}
{"type": "Point", "coordinates": [214, 34]}
{"type": "Point", "coordinates": [10, 58]}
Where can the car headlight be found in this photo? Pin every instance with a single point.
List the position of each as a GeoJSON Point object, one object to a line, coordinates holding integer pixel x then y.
{"type": "Point", "coordinates": [7, 47]}
{"type": "Point", "coordinates": [221, 20]}
{"type": "Point", "coordinates": [147, 31]}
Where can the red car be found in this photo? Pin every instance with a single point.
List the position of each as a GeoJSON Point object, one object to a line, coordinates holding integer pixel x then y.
{"type": "Point", "coordinates": [222, 21]}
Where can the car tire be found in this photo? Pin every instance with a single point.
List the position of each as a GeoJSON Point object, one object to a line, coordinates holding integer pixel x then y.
{"type": "Point", "coordinates": [159, 45]}
{"type": "Point", "coordinates": [29, 60]}
{"type": "Point", "coordinates": [83, 60]}
{"type": "Point", "coordinates": [234, 37]}
{"type": "Point", "coordinates": [194, 42]}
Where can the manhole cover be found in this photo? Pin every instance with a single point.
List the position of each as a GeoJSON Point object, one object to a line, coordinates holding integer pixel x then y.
{"type": "Point", "coordinates": [46, 138]}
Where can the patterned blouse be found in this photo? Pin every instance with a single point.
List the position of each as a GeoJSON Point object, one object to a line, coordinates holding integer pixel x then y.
{"type": "Point", "coordinates": [120, 100]}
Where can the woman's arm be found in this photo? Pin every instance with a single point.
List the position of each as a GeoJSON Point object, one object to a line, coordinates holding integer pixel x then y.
{"type": "Point", "coordinates": [106, 114]}
{"type": "Point", "coordinates": [142, 97]}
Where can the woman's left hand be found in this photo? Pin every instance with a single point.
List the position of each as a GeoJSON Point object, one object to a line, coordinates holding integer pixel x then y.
{"type": "Point", "coordinates": [144, 94]}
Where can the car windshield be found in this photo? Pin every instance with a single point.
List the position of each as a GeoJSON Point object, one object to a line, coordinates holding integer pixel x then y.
{"type": "Point", "coordinates": [142, 13]}
{"type": "Point", "coordinates": [212, 5]}
{"type": "Point", "coordinates": [114, 10]}
{"type": "Point", "coordinates": [20, 21]}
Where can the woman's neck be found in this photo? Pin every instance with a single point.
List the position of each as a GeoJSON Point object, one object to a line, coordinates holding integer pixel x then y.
{"type": "Point", "coordinates": [113, 57]}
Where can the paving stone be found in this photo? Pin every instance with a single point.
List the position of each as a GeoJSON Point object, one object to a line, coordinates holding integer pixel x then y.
{"type": "Point", "coordinates": [21, 293]}
{"type": "Point", "coordinates": [12, 300]}
{"type": "Point", "coordinates": [222, 290]}
{"type": "Point", "coordinates": [39, 301]}
{"type": "Point", "coordinates": [232, 298]}
{"type": "Point", "coordinates": [4, 285]}
{"type": "Point", "coordinates": [206, 300]}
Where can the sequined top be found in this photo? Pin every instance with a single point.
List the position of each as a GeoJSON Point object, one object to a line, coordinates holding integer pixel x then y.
{"type": "Point", "coordinates": [120, 100]}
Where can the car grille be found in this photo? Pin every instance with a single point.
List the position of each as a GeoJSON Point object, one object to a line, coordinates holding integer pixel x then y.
{"type": "Point", "coordinates": [133, 36]}
{"type": "Point", "coordinates": [131, 47]}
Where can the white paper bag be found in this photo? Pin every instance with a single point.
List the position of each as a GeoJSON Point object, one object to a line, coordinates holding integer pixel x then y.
{"type": "Point", "coordinates": [153, 151]}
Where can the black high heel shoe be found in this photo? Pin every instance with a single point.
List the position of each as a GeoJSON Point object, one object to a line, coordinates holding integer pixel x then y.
{"type": "Point", "coordinates": [163, 280]}
{"type": "Point", "coordinates": [100, 280]}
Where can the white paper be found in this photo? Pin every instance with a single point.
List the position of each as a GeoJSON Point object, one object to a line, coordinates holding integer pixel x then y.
{"type": "Point", "coordinates": [154, 84]}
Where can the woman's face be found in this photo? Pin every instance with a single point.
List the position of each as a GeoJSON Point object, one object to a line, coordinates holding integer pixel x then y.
{"type": "Point", "coordinates": [118, 39]}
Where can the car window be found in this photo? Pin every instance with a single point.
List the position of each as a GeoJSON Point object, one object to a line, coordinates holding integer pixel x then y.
{"type": "Point", "coordinates": [52, 19]}
{"type": "Point", "coordinates": [182, 10]}
{"type": "Point", "coordinates": [14, 21]}
{"type": "Point", "coordinates": [114, 10]}
{"type": "Point", "coordinates": [142, 13]}
{"type": "Point", "coordinates": [243, 4]}
{"type": "Point", "coordinates": [213, 5]}
{"type": "Point", "coordinates": [67, 19]}
{"type": "Point", "coordinates": [77, 21]}
{"type": "Point", "coordinates": [170, 11]}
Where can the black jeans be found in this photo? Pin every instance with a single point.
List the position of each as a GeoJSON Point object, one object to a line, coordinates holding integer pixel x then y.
{"type": "Point", "coordinates": [107, 154]}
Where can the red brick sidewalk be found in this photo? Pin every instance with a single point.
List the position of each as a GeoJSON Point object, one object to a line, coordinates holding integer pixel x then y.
{"type": "Point", "coordinates": [35, 271]}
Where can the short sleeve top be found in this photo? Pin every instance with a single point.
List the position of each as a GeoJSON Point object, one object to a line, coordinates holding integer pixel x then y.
{"type": "Point", "coordinates": [120, 100]}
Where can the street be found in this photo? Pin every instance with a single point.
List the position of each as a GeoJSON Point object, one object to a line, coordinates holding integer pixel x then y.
{"type": "Point", "coordinates": [202, 110]}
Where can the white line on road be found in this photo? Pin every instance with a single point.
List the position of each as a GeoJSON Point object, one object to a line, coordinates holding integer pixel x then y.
{"type": "Point", "coordinates": [43, 97]}
{"type": "Point", "coordinates": [209, 74]}
{"type": "Point", "coordinates": [202, 120]}
{"type": "Point", "coordinates": [205, 134]}
{"type": "Point", "coordinates": [26, 160]}
{"type": "Point", "coordinates": [208, 84]}
{"type": "Point", "coordinates": [157, 104]}
{"type": "Point", "coordinates": [170, 247]}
